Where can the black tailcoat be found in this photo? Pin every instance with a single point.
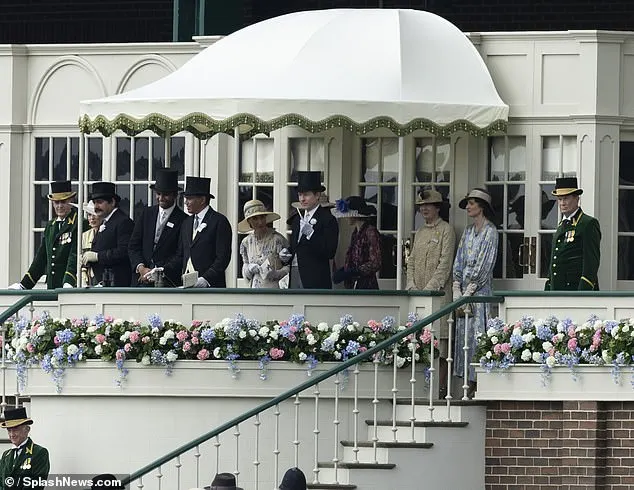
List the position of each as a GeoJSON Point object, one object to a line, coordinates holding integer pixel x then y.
{"type": "Point", "coordinates": [111, 245]}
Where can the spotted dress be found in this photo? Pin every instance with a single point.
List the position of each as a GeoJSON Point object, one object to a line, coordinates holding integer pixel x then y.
{"type": "Point", "coordinates": [364, 255]}
{"type": "Point", "coordinates": [263, 250]}
{"type": "Point", "coordinates": [473, 269]}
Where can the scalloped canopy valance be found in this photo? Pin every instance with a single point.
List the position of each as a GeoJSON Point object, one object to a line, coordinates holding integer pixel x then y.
{"type": "Point", "coordinates": [358, 69]}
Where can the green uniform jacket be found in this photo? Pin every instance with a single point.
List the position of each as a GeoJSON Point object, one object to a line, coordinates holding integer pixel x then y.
{"type": "Point", "coordinates": [57, 255]}
{"type": "Point", "coordinates": [575, 255]}
{"type": "Point", "coordinates": [32, 462]}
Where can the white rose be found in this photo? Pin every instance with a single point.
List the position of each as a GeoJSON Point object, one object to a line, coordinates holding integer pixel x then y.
{"type": "Point", "coordinates": [356, 325]}
{"type": "Point", "coordinates": [125, 336]}
{"type": "Point", "coordinates": [155, 329]}
{"type": "Point", "coordinates": [336, 327]}
{"type": "Point", "coordinates": [400, 361]}
{"type": "Point", "coordinates": [528, 337]}
{"type": "Point", "coordinates": [89, 329]}
{"type": "Point", "coordinates": [242, 334]}
{"type": "Point", "coordinates": [401, 328]}
{"type": "Point", "coordinates": [311, 339]}
{"type": "Point", "coordinates": [551, 361]}
{"type": "Point", "coordinates": [334, 336]}
{"type": "Point", "coordinates": [169, 334]}
{"type": "Point", "coordinates": [491, 332]}
{"type": "Point", "coordinates": [322, 327]}
{"type": "Point", "coordinates": [626, 328]}
{"type": "Point", "coordinates": [337, 355]}
{"type": "Point", "coordinates": [264, 331]}
{"type": "Point", "coordinates": [537, 357]}
{"type": "Point", "coordinates": [118, 322]}
{"type": "Point", "coordinates": [163, 341]}
{"type": "Point", "coordinates": [252, 332]}
{"type": "Point", "coordinates": [417, 357]}
{"type": "Point", "coordinates": [547, 346]}
{"type": "Point", "coordinates": [372, 343]}
{"type": "Point", "coordinates": [172, 356]}
{"type": "Point", "coordinates": [145, 360]}
{"type": "Point", "coordinates": [489, 354]}
{"type": "Point", "coordinates": [217, 352]}
{"type": "Point", "coordinates": [274, 335]}
{"type": "Point", "coordinates": [598, 325]}
{"type": "Point", "coordinates": [72, 349]}
{"type": "Point", "coordinates": [41, 330]}
{"type": "Point", "coordinates": [517, 331]}
{"type": "Point", "coordinates": [526, 355]}
{"type": "Point", "coordinates": [606, 357]}
{"type": "Point", "coordinates": [105, 344]}
{"type": "Point", "coordinates": [98, 350]}
{"type": "Point", "coordinates": [615, 331]}
{"type": "Point", "coordinates": [560, 327]}
{"type": "Point", "coordinates": [350, 328]}
{"type": "Point", "coordinates": [560, 336]}
{"type": "Point", "coordinates": [302, 356]}
{"type": "Point", "coordinates": [494, 340]}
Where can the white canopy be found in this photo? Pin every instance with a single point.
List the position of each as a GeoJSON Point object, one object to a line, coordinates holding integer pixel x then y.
{"type": "Point", "coordinates": [360, 69]}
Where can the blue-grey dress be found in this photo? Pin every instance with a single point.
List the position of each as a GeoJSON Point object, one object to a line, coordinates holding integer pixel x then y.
{"type": "Point", "coordinates": [474, 263]}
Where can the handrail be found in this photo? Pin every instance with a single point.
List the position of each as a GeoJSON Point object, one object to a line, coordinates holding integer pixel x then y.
{"type": "Point", "coordinates": [27, 297]}
{"type": "Point", "coordinates": [313, 381]}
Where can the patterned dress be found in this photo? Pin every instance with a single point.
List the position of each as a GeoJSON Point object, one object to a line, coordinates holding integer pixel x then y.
{"type": "Point", "coordinates": [473, 269]}
{"type": "Point", "coordinates": [364, 255]}
{"type": "Point", "coordinates": [263, 252]}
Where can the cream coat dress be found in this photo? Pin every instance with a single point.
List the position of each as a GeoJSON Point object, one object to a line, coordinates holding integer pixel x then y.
{"type": "Point", "coordinates": [430, 263]}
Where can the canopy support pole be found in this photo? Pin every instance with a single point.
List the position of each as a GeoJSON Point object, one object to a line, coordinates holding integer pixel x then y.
{"type": "Point", "coordinates": [234, 209]}
{"type": "Point", "coordinates": [400, 201]}
{"type": "Point", "coordinates": [168, 149]}
{"type": "Point", "coordinates": [80, 204]}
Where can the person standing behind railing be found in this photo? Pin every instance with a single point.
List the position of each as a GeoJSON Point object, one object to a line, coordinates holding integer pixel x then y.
{"type": "Point", "coordinates": [429, 265]}
{"type": "Point", "coordinates": [473, 276]}
{"type": "Point", "coordinates": [94, 221]}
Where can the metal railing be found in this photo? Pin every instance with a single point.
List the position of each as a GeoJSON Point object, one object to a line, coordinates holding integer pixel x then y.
{"type": "Point", "coordinates": [314, 383]}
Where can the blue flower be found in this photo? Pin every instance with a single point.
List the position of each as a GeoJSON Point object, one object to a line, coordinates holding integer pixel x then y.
{"type": "Point", "coordinates": [65, 336]}
{"type": "Point", "coordinates": [412, 317]}
{"type": "Point", "coordinates": [517, 341]}
{"type": "Point", "coordinates": [609, 325]}
{"type": "Point", "coordinates": [346, 320]}
{"type": "Point", "coordinates": [388, 324]}
{"type": "Point", "coordinates": [296, 320]}
{"type": "Point", "coordinates": [328, 345]}
{"type": "Point", "coordinates": [99, 320]}
{"type": "Point", "coordinates": [342, 205]}
{"type": "Point", "coordinates": [544, 332]}
{"type": "Point", "coordinates": [155, 321]}
{"type": "Point", "coordinates": [207, 334]}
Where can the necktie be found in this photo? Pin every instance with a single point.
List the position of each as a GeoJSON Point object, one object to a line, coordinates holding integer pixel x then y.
{"type": "Point", "coordinates": [160, 225]}
{"type": "Point", "coordinates": [16, 454]}
{"type": "Point", "coordinates": [195, 225]}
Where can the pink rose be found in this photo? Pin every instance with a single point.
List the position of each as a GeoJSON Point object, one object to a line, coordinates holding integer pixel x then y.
{"type": "Point", "coordinates": [497, 348]}
{"type": "Point", "coordinates": [120, 355]}
{"type": "Point", "coordinates": [506, 348]}
{"type": "Point", "coordinates": [426, 336]}
{"type": "Point", "coordinates": [195, 340]}
{"type": "Point", "coordinates": [196, 323]}
{"type": "Point", "coordinates": [505, 329]}
{"type": "Point", "coordinates": [30, 347]}
{"type": "Point", "coordinates": [203, 354]}
{"type": "Point", "coordinates": [108, 318]}
{"type": "Point", "coordinates": [145, 339]}
{"type": "Point", "coordinates": [572, 345]}
{"type": "Point", "coordinates": [276, 353]}
{"type": "Point", "coordinates": [127, 347]}
{"type": "Point", "coordinates": [100, 338]}
{"type": "Point", "coordinates": [187, 346]}
{"type": "Point", "coordinates": [182, 335]}
{"type": "Point", "coordinates": [571, 331]}
{"type": "Point", "coordinates": [134, 336]}
{"type": "Point", "coordinates": [56, 340]}
{"type": "Point", "coordinates": [34, 329]}
{"type": "Point", "coordinates": [195, 333]}
{"type": "Point", "coordinates": [362, 349]}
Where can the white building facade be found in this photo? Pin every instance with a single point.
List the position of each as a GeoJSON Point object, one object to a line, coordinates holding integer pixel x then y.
{"type": "Point", "coordinates": [571, 99]}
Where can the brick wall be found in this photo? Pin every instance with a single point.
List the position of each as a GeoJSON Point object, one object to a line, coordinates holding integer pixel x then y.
{"type": "Point", "coordinates": [567, 445]}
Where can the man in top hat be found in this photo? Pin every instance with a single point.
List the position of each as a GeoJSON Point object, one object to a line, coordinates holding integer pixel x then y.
{"type": "Point", "coordinates": [294, 479]}
{"type": "Point", "coordinates": [57, 254]}
{"type": "Point", "coordinates": [155, 236]}
{"type": "Point", "coordinates": [108, 256]}
{"type": "Point", "coordinates": [314, 237]}
{"type": "Point", "coordinates": [575, 254]}
{"type": "Point", "coordinates": [224, 481]}
{"type": "Point", "coordinates": [205, 239]}
{"type": "Point", "coordinates": [25, 461]}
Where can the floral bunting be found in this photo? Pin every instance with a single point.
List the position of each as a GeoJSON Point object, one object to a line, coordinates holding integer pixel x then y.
{"type": "Point", "coordinates": [55, 344]}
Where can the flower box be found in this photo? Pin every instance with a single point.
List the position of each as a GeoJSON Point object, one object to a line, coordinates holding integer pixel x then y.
{"type": "Point", "coordinates": [527, 382]}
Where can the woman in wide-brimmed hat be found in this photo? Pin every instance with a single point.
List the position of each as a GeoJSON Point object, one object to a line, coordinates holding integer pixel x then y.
{"type": "Point", "coordinates": [260, 249]}
{"type": "Point", "coordinates": [363, 257]}
{"type": "Point", "coordinates": [473, 273]}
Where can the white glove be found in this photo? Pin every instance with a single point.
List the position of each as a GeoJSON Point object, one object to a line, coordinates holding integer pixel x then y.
{"type": "Point", "coordinates": [16, 285]}
{"type": "Point", "coordinates": [285, 256]}
{"type": "Point", "coordinates": [151, 276]}
{"type": "Point", "coordinates": [470, 289]}
{"type": "Point", "coordinates": [253, 268]}
{"type": "Point", "coordinates": [66, 285]}
{"type": "Point", "coordinates": [88, 257]}
{"type": "Point", "coordinates": [457, 293]}
{"type": "Point", "coordinates": [201, 282]}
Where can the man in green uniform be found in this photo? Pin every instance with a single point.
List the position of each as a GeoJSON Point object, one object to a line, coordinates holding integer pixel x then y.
{"type": "Point", "coordinates": [25, 462]}
{"type": "Point", "coordinates": [575, 255]}
{"type": "Point", "coordinates": [57, 255]}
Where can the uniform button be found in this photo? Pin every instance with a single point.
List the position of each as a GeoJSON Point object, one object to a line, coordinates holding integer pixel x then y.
{"type": "Point", "coordinates": [53, 272]}
{"type": "Point", "coordinates": [554, 265]}
{"type": "Point", "coordinates": [52, 256]}
{"type": "Point", "coordinates": [554, 273]}
{"type": "Point", "coordinates": [556, 249]}
{"type": "Point", "coordinates": [52, 263]}
{"type": "Point", "coordinates": [555, 257]}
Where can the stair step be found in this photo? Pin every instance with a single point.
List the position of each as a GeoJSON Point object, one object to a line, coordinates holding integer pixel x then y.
{"type": "Point", "coordinates": [358, 466]}
{"type": "Point", "coordinates": [331, 486]}
{"type": "Point", "coordinates": [417, 423]}
{"type": "Point", "coordinates": [390, 444]}
{"type": "Point", "coordinates": [458, 402]}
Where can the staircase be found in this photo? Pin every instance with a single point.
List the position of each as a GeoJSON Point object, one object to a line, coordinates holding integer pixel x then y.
{"type": "Point", "coordinates": [446, 454]}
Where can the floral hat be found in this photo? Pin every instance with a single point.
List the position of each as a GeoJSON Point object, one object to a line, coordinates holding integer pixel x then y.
{"type": "Point", "coordinates": [254, 208]}
{"type": "Point", "coordinates": [353, 207]}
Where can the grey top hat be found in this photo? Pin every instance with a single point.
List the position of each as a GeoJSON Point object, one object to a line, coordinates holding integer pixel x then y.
{"type": "Point", "coordinates": [198, 186]}
{"type": "Point", "coordinates": [166, 181]}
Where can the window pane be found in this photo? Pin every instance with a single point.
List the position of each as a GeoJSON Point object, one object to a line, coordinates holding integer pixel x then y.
{"type": "Point", "coordinates": [546, 244]}
{"type": "Point", "coordinates": [247, 162]}
{"type": "Point", "coordinates": [42, 205]}
{"type": "Point", "coordinates": [59, 159]}
{"type": "Point", "coordinates": [158, 160]}
{"type": "Point", "coordinates": [123, 158]}
{"type": "Point", "coordinates": [389, 250]}
{"type": "Point", "coordinates": [74, 159]}
{"type": "Point", "coordinates": [548, 208]}
{"type": "Point", "coordinates": [123, 190]}
{"type": "Point", "coordinates": [570, 156]}
{"type": "Point", "coordinates": [299, 154]}
{"type": "Point", "coordinates": [497, 150]}
{"type": "Point", "coordinates": [626, 163]}
{"type": "Point", "coordinates": [370, 193]}
{"type": "Point", "coordinates": [389, 209]}
{"type": "Point", "coordinates": [41, 158]}
{"type": "Point", "coordinates": [550, 157]}
{"type": "Point", "coordinates": [516, 211]}
{"type": "Point", "coordinates": [141, 157]}
{"type": "Point", "coordinates": [517, 157]}
{"type": "Point", "coordinates": [292, 197]}
{"type": "Point", "coordinates": [626, 210]}
{"type": "Point", "coordinates": [265, 194]}
{"type": "Point", "coordinates": [370, 154]}
{"type": "Point", "coordinates": [443, 160]}
{"type": "Point", "coordinates": [625, 268]}
{"type": "Point", "coordinates": [140, 199]}
{"type": "Point", "coordinates": [178, 156]}
{"type": "Point", "coordinates": [95, 159]}
{"type": "Point", "coordinates": [265, 160]}
{"type": "Point", "coordinates": [37, 239]}
{"type": "Point", "coordinates": [497, 202]}
{"type": "Point", "coordinates": [424, 160]}
{"type": "Point", "coordinates": [498, 272]}
{"type": "Point", "coordinates": [390, 159]}
{"type": "Point", "coordinates": [317, 158]}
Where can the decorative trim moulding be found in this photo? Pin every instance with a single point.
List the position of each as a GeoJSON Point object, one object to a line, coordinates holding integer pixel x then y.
{"type": "Point", "coordinates": [211, 379]}
{"type": "Point", "coordinates": [530, 382]}
{"type": "Point", "coordinates": [112, 48]}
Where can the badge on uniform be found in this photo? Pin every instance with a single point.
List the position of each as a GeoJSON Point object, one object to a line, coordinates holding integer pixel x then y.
{"type": "Point", "coordinates": [570, 236]}
{"type": "Point", "coordinates": [65, 238]}
{"type": "Point", "coordinates": [26, 465]}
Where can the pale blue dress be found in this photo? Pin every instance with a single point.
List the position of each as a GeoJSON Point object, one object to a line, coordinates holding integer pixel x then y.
{"type": "Point", "coordinates": [474, 263]}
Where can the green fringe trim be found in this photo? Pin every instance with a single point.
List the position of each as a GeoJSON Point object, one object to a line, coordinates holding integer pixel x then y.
{"type": "Point", "coordinates": [203, 127]}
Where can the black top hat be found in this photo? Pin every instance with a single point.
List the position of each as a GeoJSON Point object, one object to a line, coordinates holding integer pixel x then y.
{"type": "Point", "coordinates": [224, 481]}
{"type": "Point", "coordinates": [14, 417]}
{"type": "Point", "coordinates": [103, 190]}
{"type": "Point", "coordinates": [565, 186]}
{"type": "Point", "coordinates": [353, 207]}
{"type": "Point", "coordinates": [107, 479]}
{"type": "Point", "coordinates": [198, 186]}
{"type": "Point", "coordinates": [166, 181]}
{"type": "Point", "coordinates": [61, 190]}
{"type": "Point", "coordinates": [309, 181]}
{"type": "Point", "coordinates": [294, 479]}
